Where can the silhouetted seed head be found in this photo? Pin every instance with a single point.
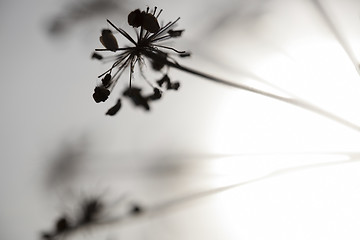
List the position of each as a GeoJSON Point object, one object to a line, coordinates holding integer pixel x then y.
{"type": "Point", "coordinates": [108, 40]}
{"type": "Point", "coordinates": [146, 45]}
{"type": "Point", "coordinates": [106, 80]}
{"type": "Point", "coordinates": [114, 109]}
{"type": "Point", "coordinates": [175, 33]}
{"type": "Point", "coordinates": [96, 56]}
{"type": "Point", "coordinates": [101, 94]}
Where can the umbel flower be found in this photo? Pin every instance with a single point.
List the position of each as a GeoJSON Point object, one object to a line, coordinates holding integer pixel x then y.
{"type": "Point", "coordinates": [147, 45]}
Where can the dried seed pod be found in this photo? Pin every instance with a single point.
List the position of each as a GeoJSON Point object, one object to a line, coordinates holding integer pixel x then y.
{"type": "Point", "coordinates": [62, 225]}
{"type": "Point", "coordinates": [106, 80]}
{"type": "Point", "coordinates": [135, 18]}
{"type": "Point", "coordinates": [150, 23]}
{"type": "Point", "coordinates": [175, 33]}
{"type": "Point", "coordinates": [114, 109]}
{"type": "Point", "coordinates": [91, 209]}
{"type": "Point", "coordinates": [108, 40]}
{"type": "Point", "coordinates": [164, 79]}
{"type": "Point", "coordinates": [158, 63]}
{"type": "Point", "coordinates": [101, 94]}
{"type": "Point", "coordinates": [96, 56]}
{"type": "Point", "coordinates": [186, 54]}
{"type": "Point", "coordinates": [156, 95]}
{"type": "Point", "coordinates": [137, 98]}
{"type": "Point", "coordinates": [173, 86]}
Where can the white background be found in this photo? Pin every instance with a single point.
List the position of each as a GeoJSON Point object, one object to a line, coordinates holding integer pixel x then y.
{"type": "Point", "coordinates": [202, 137]}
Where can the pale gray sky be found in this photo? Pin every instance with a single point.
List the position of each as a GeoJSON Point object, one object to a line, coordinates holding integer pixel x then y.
{"type": "Point", "coordinates": [46, 103]}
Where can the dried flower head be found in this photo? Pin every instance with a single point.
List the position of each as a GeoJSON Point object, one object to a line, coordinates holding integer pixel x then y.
{"type": "Point", "coordinates": [147, 45]}
{"type": "Point", "coordinates": [91, 212]}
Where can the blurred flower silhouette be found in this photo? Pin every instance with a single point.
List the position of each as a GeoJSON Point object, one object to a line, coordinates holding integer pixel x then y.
{"type": "Point", "coordinates": [91, 212]}
{"type": "Point", "coordinates": [149, 35]}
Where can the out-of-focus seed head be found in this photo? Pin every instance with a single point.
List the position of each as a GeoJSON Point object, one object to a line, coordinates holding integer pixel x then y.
{"type": "Point", "coordinates": [62, 224]}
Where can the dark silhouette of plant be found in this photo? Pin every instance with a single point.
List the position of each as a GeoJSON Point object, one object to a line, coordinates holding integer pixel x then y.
{"type": "Point", "coordinates": [147, 46]}
{"type": "Point", "coordinates": [149, 35]}
{"type": "Point", "coordinates": [93, 212]}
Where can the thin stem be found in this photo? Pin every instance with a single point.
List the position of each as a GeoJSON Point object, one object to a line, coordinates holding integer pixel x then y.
{"type": "Point", "coordinates": [118, 49]}
{"type": "Point", "coordinates": [125, 34]}
{"type": "Point", "coordinates": [170, 48]}
{"type": "Point", "coordinates": [290, 100]}
{"type": "Point", "coordinates": [163, 207]}
{"type": "Point", "coordinates": [339, 37]}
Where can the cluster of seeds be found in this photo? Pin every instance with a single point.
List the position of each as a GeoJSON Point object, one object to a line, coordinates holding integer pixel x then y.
{"type": "Point", "coordinates": [90, 212]}
{"type": "Point", "coordinates": [149, 35]}
{"type": "Point", "coordinates": [93, 211]}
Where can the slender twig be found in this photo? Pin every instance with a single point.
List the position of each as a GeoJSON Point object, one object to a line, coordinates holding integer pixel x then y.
{"type": "Point", "coordinates": [290, 100]}
{"type": "Point", "coordinates": [337, 33]}
{"type": "Point", "coordinates": [163, 207]}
